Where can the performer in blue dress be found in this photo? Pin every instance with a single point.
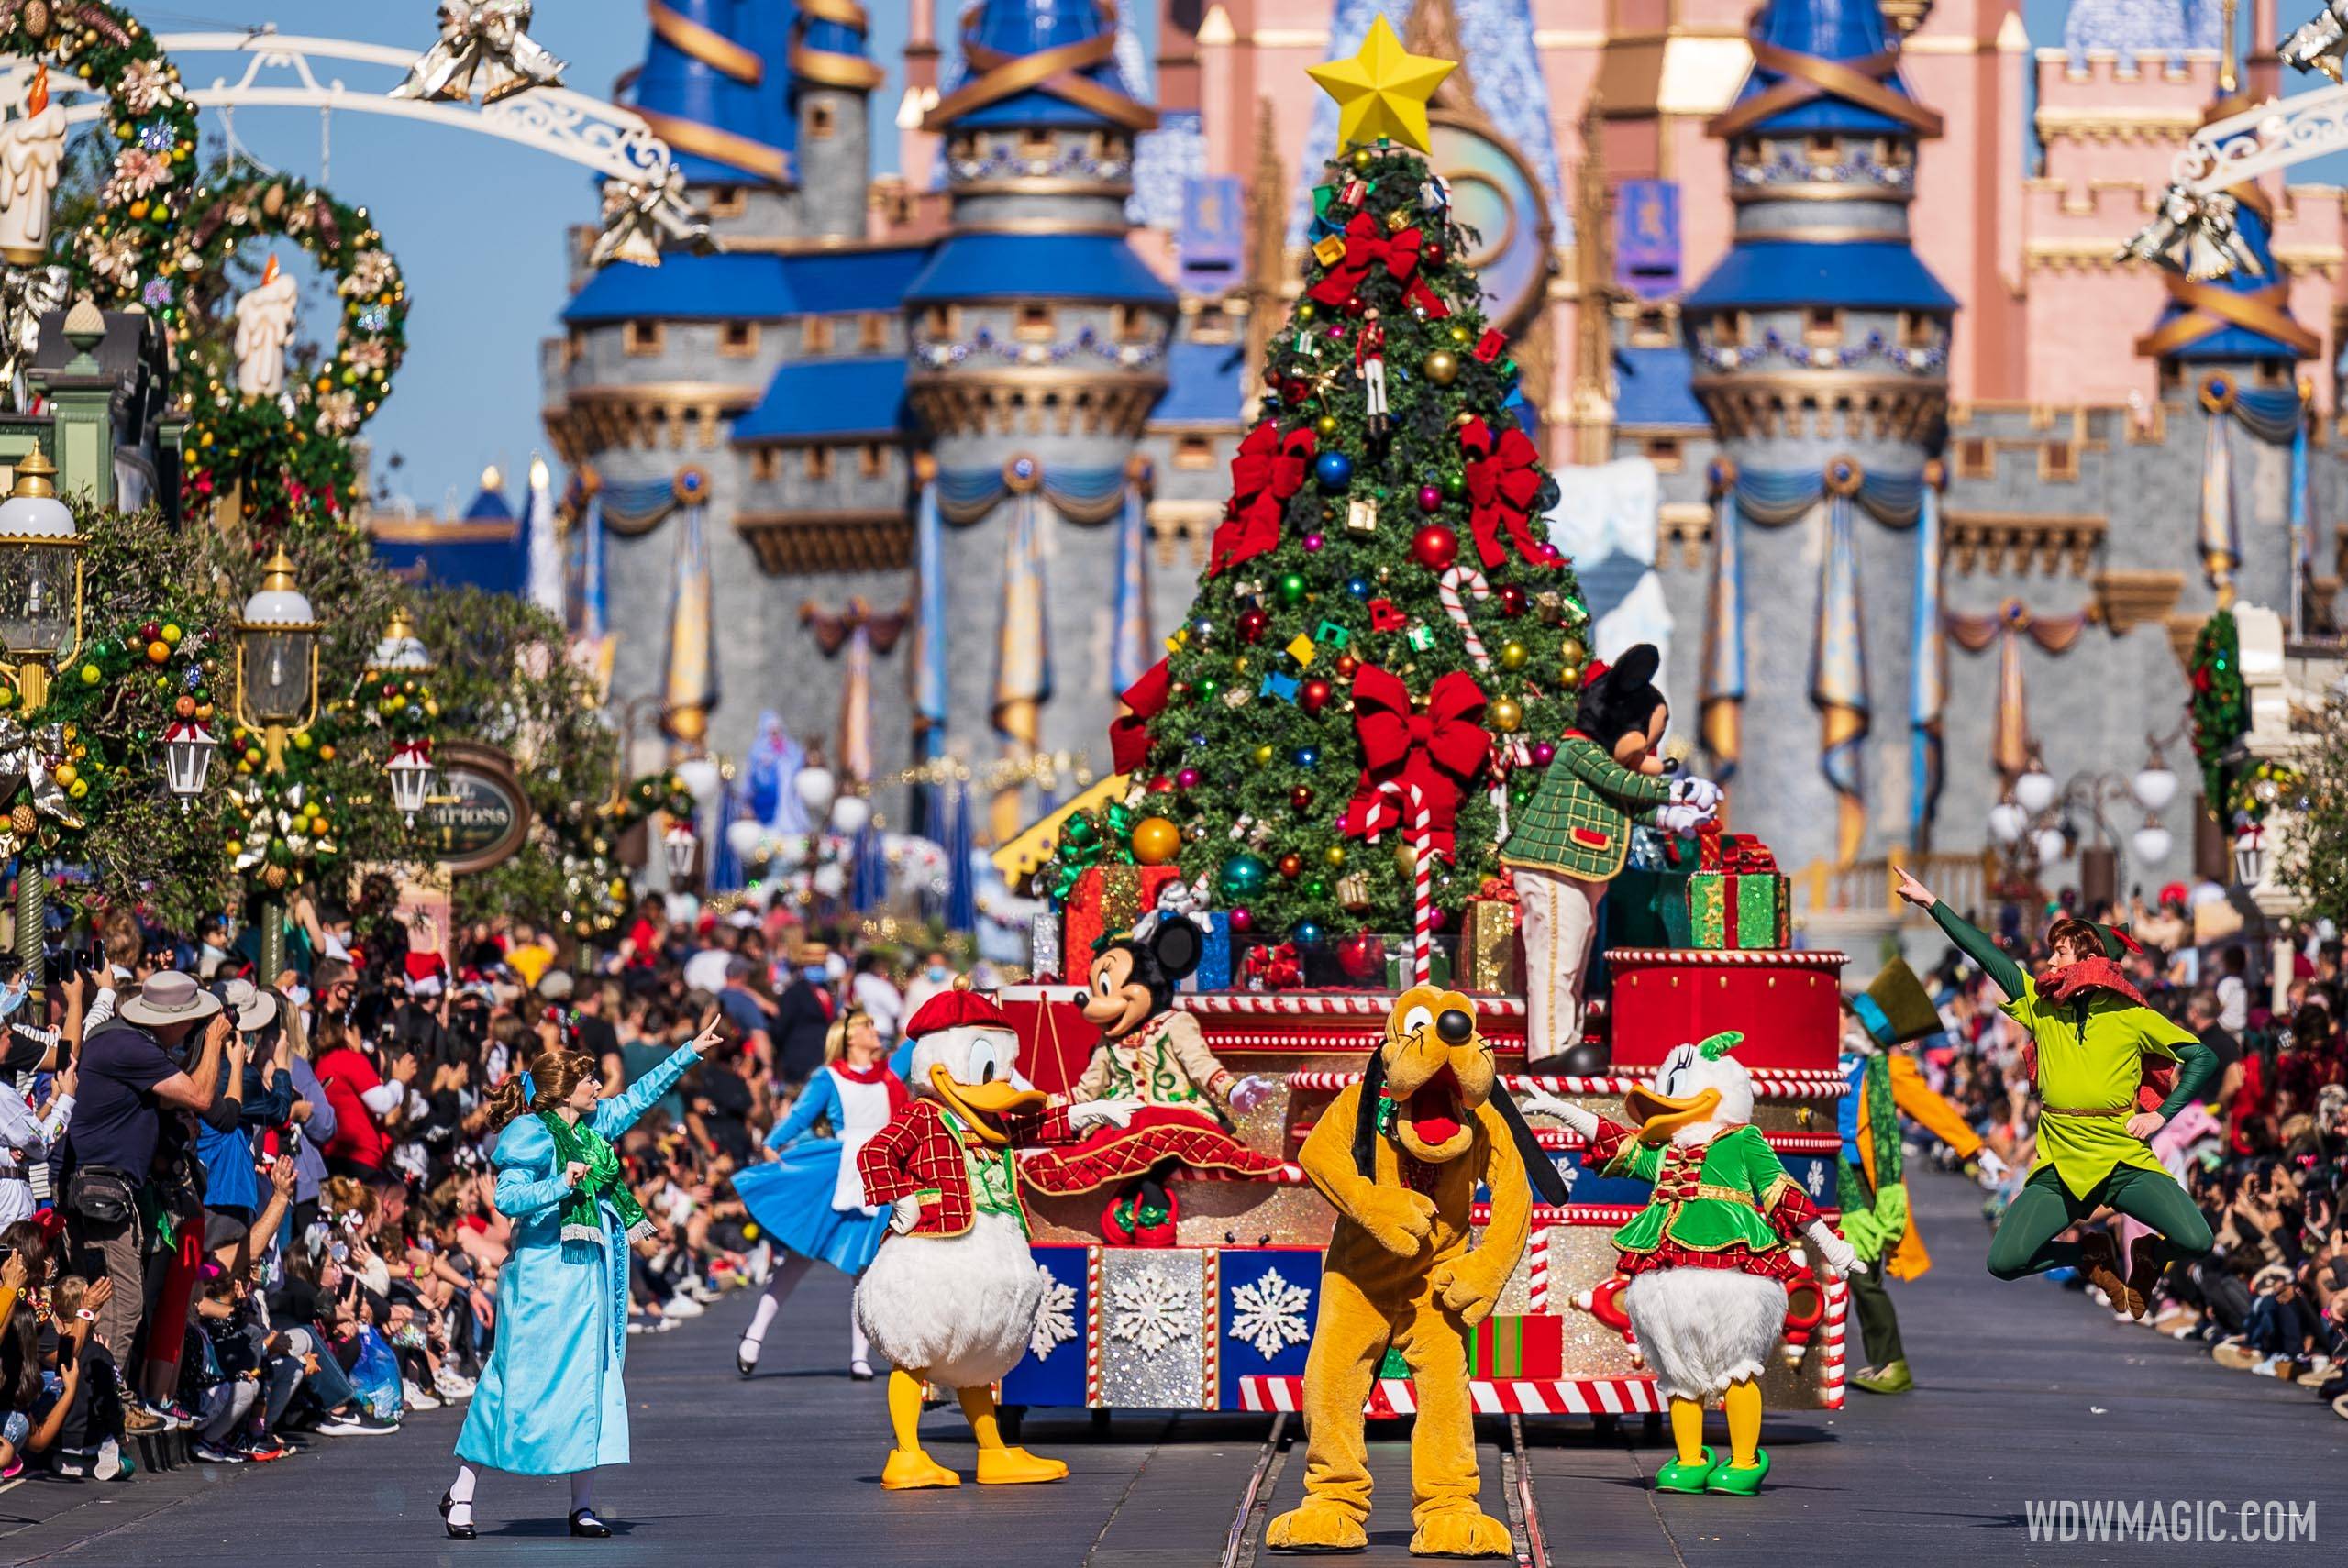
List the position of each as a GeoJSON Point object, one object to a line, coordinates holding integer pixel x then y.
{"type": "Point", "coordinates": [809, 1197]}
{"type": "Point", "coordinates": [551, 1401]}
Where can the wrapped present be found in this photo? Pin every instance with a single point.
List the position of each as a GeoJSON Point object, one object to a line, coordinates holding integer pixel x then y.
{"type": "Point", "coordinates": [1272, 968]}
{"type": "Point", "coordinates": [1213, 973]}
{"type": "Point", "coordinates": [1533, 1345]}
{"type": "Point", "coordinates": [1487, 946]}
{"type": "Point", "coordinates": [1717, 851]}
{"type": "Point", "coordinates": [1044, 946]}
{"type": "Point", "coordinates": [1398, 964]}
{"type": "Point", "coordinates": [1739, 909]}
{"type": "Point", "coordinates": [1105, 902]}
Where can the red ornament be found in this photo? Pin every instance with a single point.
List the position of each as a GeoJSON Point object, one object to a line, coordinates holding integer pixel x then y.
{"type": "Point", "coordinates": [1431, 255]}
{"type": "Point", "coordinates": [1292, 866]}
{"type": "Point", "coordinates": [1347, 665]}
{"type": "Point", "coordinates": [1352, 304]}
{"type": "Point", "coordinates": [1292, 393]}
{"type": "Point", "coordinates": [1314, 695]}
{"type": "Point", "coordinates": [1542, 751]}
{"type": "Point", "coordinates": [1300, 797]}
{"type": "Point", "coordinates": [151, 632]}
{"type": "Point", "coordinates": [1253, 621]}
{"type": "Point", "coordinates": [1488, 347]}
{"type": "Point", "coordinates": [1161, 785]}
{"type": "Point", "coordinates": [1512, 600]}
{"type": "Point", "coordinates": [1434, 547]}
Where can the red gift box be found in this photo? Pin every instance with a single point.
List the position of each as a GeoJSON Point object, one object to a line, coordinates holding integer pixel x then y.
{"type": "Point", "coordinates": [1488, 347]}
{"type": "Point", "coordinates": [1739, 852]}
{"type": "Point", "coordinates": [1530, 1346]}
{"type": "Point", "coordinates": [1107, 901]}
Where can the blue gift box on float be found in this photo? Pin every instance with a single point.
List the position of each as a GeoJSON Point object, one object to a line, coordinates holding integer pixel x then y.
{"type": "Point", "coordinates": [1213, 973]}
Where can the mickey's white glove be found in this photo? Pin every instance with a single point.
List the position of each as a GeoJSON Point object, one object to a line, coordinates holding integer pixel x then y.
{"type": "Point", "coordinates": [1093, 1112]}
{"type": "Point", "coordinates": [1681, 819]}
{"type": "Point", "coordinates": [1993, 1169]}
{"type": "Point", "coordinates": [1701, 793]}
{"type": "Point", "coordinates": [1574, 1116]}
{"type": "Point", "coordinates": [1251, 1091]}
{"type": "Point", "coordinates": [904, 1214]}
{"type": "Point", "coordinates": [1833, 1250]}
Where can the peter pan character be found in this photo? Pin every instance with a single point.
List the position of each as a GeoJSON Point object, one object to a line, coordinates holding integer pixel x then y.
{"type": "Point", "coordinates": [1894, 1009]}
{"type": "Point", "coordinates": [1570, 841]}
{"type": "Point", "coordinates": [2095, 1043]}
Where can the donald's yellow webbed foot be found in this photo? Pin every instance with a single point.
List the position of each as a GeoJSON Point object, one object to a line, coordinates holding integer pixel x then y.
{"type": "Point", "coordinates": [909, 1468]}
{"type": "Point", "coordinates": [1016, 1466]}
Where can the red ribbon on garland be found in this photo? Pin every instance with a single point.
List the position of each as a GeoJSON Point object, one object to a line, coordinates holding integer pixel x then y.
{"type": "Point", "coordinates": [1129, 731]}
{"type": "Point", "coordinates": [1504, 477]}
{"type": "Point", "coordinates": [1267, 469]}
{"type": "Point", "coordinates": [1439, 752]}
{"type": "Point", "coordinates": [1368, 245]}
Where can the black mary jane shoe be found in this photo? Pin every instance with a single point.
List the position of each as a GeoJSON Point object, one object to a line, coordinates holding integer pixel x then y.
{"type": "Point", "coordinates": [584, 1522]}
{"type": "Point", "coordinates": [744, 1366]}
{"type": "Point", "coordinates": [456, 1532]}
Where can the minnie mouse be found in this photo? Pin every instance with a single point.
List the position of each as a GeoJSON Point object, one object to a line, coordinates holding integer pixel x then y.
{"type": "Point", "coordinates": [1571, 839]}
{"type": "Point", "coordinates": [1152, 1054]}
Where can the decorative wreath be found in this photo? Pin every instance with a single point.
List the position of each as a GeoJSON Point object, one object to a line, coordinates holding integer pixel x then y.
{"type": "Point", "coordinates": [291, 456]}
{"type": "Point", "coordinates": [118, 255]}
{"type": "Point", "coordinates": [285, 828]}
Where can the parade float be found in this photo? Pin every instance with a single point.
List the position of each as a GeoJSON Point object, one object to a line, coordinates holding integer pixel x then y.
{"type": "Point", "coordinates": [1384, 661]}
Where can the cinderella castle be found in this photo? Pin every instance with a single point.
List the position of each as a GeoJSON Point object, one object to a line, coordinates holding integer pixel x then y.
{"type": "Point", "coordinates": [1816, 307]}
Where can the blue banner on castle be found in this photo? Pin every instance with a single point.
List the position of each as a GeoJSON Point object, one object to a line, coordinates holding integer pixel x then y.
{"type": "Point", "coordinates": [1647, 240]}
{"type": "Point", "coordinates": [1212, 238]}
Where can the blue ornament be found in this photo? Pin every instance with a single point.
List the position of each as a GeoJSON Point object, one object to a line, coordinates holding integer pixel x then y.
{"type": "Point", "coordinates": [1358, 587]}
{"type": "Point", "coordinates": [1333, 470]}
{"type": "Point", "coordinates": [1242, 874]}
{"type": "Point", "coordinates": [1308, 756]}
{"type": "Point", "coordinates": [1308, 932]}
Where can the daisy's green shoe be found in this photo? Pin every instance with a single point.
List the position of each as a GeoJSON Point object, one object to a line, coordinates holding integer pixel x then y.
{"type": "Point", "coordinates": [1739, 1482]}
{"type": "Point", "coordinates": [1680, 1476]}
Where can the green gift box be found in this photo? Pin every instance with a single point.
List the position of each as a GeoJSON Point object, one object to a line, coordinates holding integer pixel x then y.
{"type": "Point", "coordinates": [1398, 964]}
{"type": "Point", "coordinates": [1739, 909]}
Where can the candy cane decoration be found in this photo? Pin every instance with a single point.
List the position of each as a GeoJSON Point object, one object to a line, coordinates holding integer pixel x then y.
{"type": "Point", "coordinates": [1421, 834]}
{"type": "Point", "coordinates": [1458, 576]}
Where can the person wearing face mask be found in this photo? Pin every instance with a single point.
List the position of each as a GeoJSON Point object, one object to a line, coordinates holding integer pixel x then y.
{"type": "Point", "coordinates": [936, 975]}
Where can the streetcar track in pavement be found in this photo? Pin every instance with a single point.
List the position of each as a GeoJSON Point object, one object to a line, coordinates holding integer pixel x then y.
{"type": "Point", "coordinates": [1256, 1499]}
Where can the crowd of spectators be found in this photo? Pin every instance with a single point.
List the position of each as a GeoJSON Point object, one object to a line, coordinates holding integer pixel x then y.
{"type": "Point", "coordinates": [2264, 1154]}
{"type": "Point", "coordinates": [256, 1211]}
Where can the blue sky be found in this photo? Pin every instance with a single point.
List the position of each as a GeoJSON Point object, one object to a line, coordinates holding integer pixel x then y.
{"type": "Point", "coordinates": [478, 224]}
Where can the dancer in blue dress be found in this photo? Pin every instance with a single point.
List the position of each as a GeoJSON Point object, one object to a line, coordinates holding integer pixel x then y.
{"type": "Point", "coordinates": [808, 1198]}
{"type": "Point", "coordinates": [551, 1401]}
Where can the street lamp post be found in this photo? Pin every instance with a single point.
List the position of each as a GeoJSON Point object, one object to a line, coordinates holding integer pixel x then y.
{"type": "Point", "coordinates": [401, 653]}
{"type": "Point", "coordinates": [277, 693]}
{"type": "Point", "coordinates": [41, 623]}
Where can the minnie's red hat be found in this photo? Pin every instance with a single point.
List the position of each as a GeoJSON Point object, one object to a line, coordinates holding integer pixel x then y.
{"type": "Point", "coordinates": [960, 1008]}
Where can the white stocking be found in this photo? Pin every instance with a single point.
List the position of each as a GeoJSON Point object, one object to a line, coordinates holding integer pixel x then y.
{"type": "Point", "coordinates": [582, 1491]}
{"type": "Point", "coordinates": [859, 1349]}
{"type": "Point", "coordinates": [460, 1496]}
{"type": "Point", "coordinates": [780, 1284]}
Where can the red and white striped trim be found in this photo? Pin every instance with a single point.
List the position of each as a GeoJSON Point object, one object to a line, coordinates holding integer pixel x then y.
{"type": "Point", "coordinates": [1092, 1295]}
{"type": "Point", "coordinates": [1769, 1083]}
{"type": "Point", "coordinates": [1731, 957]}
{"type": "Point", "coordinates": [1571, 1214]}
{"type": "Point", "coordinates": [1784, 1142]}
{"type": "Point", "coordinates": [1211, 1329]}
{"type": "Point", "coordinates": [1832, 1391]}
{"type": "Point", "coordinates": [1321, 1040]}
{"type": "Point", "coordinates": [1312, 1004]}
{"type": "Point", "coordinates": [1536, 1276]}
{"type": "Point", "coordinates": [1492, 1396]}
{"type": "Point", "coordinates": [1291, 1175]}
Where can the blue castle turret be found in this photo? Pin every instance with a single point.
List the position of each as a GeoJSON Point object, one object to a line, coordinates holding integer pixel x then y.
{"type": "Point", "coordinates": [709, 91]}
{"type": "Point", "coordinates": [1821, 344]}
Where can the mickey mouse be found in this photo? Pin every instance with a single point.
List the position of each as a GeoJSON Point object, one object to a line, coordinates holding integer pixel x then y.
{"type": "Point", "coordinates": [1571, 839]}
{"type": "Point", "coordinates": [1153, 1054]}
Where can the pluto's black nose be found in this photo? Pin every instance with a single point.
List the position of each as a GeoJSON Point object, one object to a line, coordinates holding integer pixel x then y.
{"type": "Point", "coordinates": [1456, 1027]}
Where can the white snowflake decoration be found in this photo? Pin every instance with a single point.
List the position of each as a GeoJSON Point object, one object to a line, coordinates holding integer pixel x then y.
{"type": "Point", "coordinates": [1569, 1171]}
{"type": "Point", "coordinates": [1269, 1314]}
{"type": "Point", "coordinates": [1817, 1179]}
{"type": "Point", "coordinates": [1054, 1317]}
{"type": "Point", "coordinates": [1150, 1310]}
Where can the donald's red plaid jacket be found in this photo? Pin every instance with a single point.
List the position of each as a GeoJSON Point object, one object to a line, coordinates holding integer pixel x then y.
{"type": "Point", "coordinates": [918, 1153]}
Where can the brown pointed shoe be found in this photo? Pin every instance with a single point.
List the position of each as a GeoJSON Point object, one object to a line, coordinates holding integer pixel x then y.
{"type": "Point", "coordinates": [2144, 1266]}
{"type": "Point", "coordinates": [2100, 1259]}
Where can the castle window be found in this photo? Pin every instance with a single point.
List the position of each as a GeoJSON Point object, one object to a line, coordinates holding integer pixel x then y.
{"type": "Point", "coordinates": [819, 463]}
{"type": "Point", "coordinates": [1917, 330]}
{"type": "Point", "coordinates": [1732, 329]}
{"type": "Point", "coordinates": [1892, 152]}
{"type": "Point", "coordinates": [1825, 146]}
{"type": "Point", "coordinates": [1033, 324]}
{"type": "Point", "coordinates": [574, 347]}
{"type": "Point", "coordinates": [2271, 372]}
{"type": "Point", "coordinates": [872, 331]}
{"type": "Point", "coordinates": [737, 339]}
{"type": "Point", "coordinates": [941, 324]}
{"type": "Point", "coordinates": [1131, 324]}
{"type": "Point", "coordinates": [869, 457]}
{"type": "Point", "coordinates": [1194, 452]}
{"type": "Point", "coordinates": [822, 122]}
{"type": "Point", "coordinates": [2058, 460]}
{"type": "Point", "coordinates": [1214, 326]}
{"type": "Point", "coordinates": [816, 335]}
{"type": "Point", "coordinates": [728, 202]}
{"type": "Point", "coordinates": [1749, 151]}
{"type": "Point", "coordinates": [1664, 452]}
{"type": "Point", "coordinates": [1821, 326]}
{"type": "Point", "coordinates": [1037, 146]}
{"type": "Point", "coordinates": [644, 339]}
{"type": "Point", "coordinates": [1651, 329]}
{"type": "Point", "coordinates": [766, 464]}
{"type": "Point", "coordinates": [1975, 459]}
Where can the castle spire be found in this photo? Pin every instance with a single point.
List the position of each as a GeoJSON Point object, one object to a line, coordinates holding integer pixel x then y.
{"type": "Point", "coordinates": [707, 92]}
{"type": "Point", "coordinates": [999, 39]}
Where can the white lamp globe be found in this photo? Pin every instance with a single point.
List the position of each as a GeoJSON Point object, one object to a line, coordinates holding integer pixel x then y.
{"type": "Point", "coordinates": [850, 813]}
{"type": "Point", "coordinates": [699, 776]}
{"type": "Point", "coordinates": [830, 880]}
{"type": "Point", "coordinates": [2036, 789]}
{"type": "Point", "coordinates": [2008, 821]}
{"type": "Point", "coordinates": [742, 837]}
{"type": "Point", "coordinates": [816, 786]}
{"type": "Point", "coordinates": [2051, 844]}
{"type": "Point", "coordinates": [2154, 788]}
{"type": "Point", "coordinates": [2152, 842]}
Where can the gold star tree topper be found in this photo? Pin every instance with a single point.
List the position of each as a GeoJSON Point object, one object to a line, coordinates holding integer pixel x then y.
{"type": "Point", "coordinates": [1383, 90]}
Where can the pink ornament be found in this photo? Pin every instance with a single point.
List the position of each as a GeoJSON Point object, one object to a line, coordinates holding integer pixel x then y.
{"type": "Point", "coordinates": [1312, 543]}
{"type": "Point", "coordinates": [1336, 331]}
{"type": "Point", "coordinates": [1243, 919]}
{"type": "Point", "coordinates": [1542, 751]}
{"type": "Point", "coordinates": [1430, 498]}
{"type": "Point", "coordinates": [1187, 780]}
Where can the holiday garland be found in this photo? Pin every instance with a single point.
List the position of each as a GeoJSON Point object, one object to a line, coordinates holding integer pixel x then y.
{"type": "Point", "coordinates": [290, 456]}
{"type": "Point", "coordinates": [586, 846]}
{"type": "Point", "coordinates": [118, 255]}
{"type": "Point", "coordinates": [2219, 705]}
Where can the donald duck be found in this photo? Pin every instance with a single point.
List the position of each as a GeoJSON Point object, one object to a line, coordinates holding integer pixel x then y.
{"type": "Point", "coordinates": [1710, 1255]}
{"type": "Point", "coordinates": [952, 1294]}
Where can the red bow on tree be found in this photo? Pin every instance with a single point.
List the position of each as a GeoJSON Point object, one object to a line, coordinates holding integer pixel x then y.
{"type": "Point", "coordinates": [1368, 244]}
{"type": "Point", "coordinates": [1504, 476]}
{"type": "Point", "coordinates": [1439, 752]}
{"type": "Point", "coordinates": [1129, 731]}
{"type": "Point", "coordinates": [1267, 469]}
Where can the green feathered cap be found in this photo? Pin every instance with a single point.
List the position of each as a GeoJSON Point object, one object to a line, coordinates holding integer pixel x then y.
{"type": "Point", "coordinates": [1895, 1008]}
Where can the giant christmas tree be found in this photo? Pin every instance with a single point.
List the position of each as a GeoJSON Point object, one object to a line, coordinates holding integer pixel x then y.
{"type": "Point", "coordinates": [1380, 612]}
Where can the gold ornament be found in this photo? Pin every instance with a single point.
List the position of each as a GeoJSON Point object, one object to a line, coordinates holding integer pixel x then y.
{"type": "Point", "coordinates": [1406, 859]}
{"type": "Point", "coordinates": [1335, 855]}
{"type": "Point", "coordinates": [1361, 516]}
{"type": "Point", "coordinates": [1573, 652]}
{"type": "Point", "coordinates": [1506, 714]}
{"type": "Point", "coordinates": [1262, 756]}
{"type": "Point", "coordinates": [1513, 654]}
{"type": "Point", "coordinates": [1442, 367]}
{"type": "Point", "coordinates": [21, 821]}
